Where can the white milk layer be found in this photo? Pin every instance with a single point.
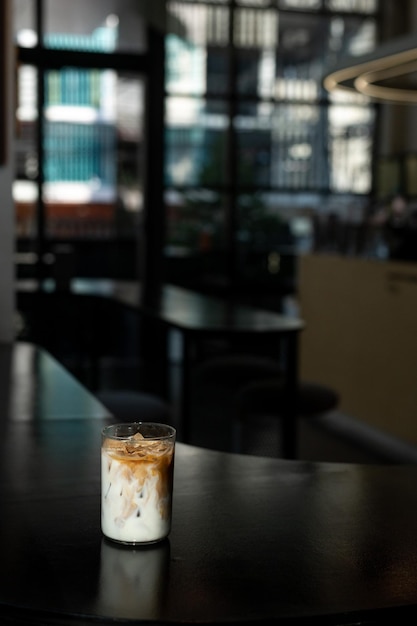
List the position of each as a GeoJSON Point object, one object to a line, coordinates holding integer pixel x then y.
{"type": "Point", "coordinates": [131, 508]}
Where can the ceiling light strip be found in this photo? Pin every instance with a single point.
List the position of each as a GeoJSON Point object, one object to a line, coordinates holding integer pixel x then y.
{"type": "Point", "coordinates": [364, 74]}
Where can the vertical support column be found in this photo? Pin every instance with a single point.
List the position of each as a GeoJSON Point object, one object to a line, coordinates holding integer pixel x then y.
{"type": "Point", "coordinates": [231, 159]}
{"type": "Point", "coordinates": [153, 235]}
{"type": "Point", "coordinates": [153, 335]}
{"type": "Point", "coordinates": [7, 328]}
{"type": "Point", "coordinates": [40, 209]}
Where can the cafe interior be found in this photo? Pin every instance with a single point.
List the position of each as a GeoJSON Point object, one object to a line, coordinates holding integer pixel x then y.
{"type": "Point", "coordinates": [208, 230]}
{"type": "Point", "coordinates": [252, 155]}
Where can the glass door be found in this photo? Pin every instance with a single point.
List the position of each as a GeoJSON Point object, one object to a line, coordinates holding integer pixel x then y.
{"type": "Point", "coordinates": [80, 104]}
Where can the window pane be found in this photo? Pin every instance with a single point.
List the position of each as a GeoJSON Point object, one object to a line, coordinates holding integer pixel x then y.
{"type": "Point", "coordinates": [293, 69]}
{"type": "Point", "coordinates": [208, 2]}
{"type": "Point", "coordinates": [282, 146]}
{"type": "Point", "coordinates": [105, 26]}
{"type": "Point", "coordinates": [79, 144]}
{"type": "Point", "coordinates": [196, 55]}
{"type": "Point", "coordinates": [253, 128]}
{"type": "Point", "coordinates": [369, 7]}
{"type": "Point", "coordinates": [351, 36]}
{"type": "Point", "coordinates": [92, 190]}
{"type": "Point", "coordinates": [282, 58]}
{"type": "Point", "coordinates": [291, 148]}
{"type": "Point", "coordinates": [93, 125]}
{"type": "Point", "coordinates": [198, 24]}
{"type": "Point", "coordinates": [303, 5]}
{"type": "Point", "coordinates": [195, 142]}
{"type": "Point", "coordinates": [255, 3]}
{"type": "Point", "coordinates": [24, 23]}
{"type": "Point", "coordinates": [24, 187]}
{"type": "Point", "coordinates": [353, 6]}
{"type": "Point", "coordinates": [256, 28]}
{"type": "Point", "coordinates": [350, 147]}
{"type": "Point", "coordinates": [298, 153]}
{"type": "Point", "coordinates": [130, 92]}
{"type": "Point", "coordinates": [192, 70]}
{"type": "Point", "coordinates": [304, 41]}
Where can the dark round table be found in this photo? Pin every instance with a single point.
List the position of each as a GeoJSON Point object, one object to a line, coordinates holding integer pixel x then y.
{"type": "Point", "coordinates": [254, 540]}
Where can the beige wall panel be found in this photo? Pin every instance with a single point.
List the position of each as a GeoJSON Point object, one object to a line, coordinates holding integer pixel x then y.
{"type": "Point", "coordinates": [361, 337]}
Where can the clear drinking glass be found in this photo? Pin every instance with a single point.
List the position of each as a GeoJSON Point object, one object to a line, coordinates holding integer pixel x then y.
{"type": "Point", "coordinates": [137, 464]}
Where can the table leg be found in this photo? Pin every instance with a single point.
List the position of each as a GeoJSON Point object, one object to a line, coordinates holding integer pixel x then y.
{"type": "Point", "coordinates": [154, 342]}
{"type": "Point", "coordinates": [289, 423]}
{"type": "Point", "coordinates": [184, 408]}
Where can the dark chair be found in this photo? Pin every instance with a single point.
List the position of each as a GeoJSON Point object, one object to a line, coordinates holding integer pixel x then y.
{"type": "Point", "coordinates": [244, 394]}
{"type": "Point", "coordinates": [214, 381]}
{"type": "Point", "coordinates": [230, 372]}
{"type": "Point", "coordinates": [263, 403]}
{"type": "Point", "coordinates": [133, 406]}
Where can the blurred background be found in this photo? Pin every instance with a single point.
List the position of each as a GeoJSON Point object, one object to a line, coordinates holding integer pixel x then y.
{"type": "Point", "coordinates": [198, 144]}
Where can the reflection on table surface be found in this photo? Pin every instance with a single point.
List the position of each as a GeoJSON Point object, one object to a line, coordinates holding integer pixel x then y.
{"type": "Point", "coordinates": [133, 582]}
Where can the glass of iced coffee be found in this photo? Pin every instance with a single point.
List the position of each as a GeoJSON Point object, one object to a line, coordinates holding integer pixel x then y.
{"type": "Point", "coordinates": [137, 465]}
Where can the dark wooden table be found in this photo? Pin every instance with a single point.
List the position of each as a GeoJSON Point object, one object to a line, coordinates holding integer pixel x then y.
{"type": "Point", "coordinates": [198, 317]}
{"type": "Point", "coordinates": [254, 540]}
{"type": "Point", "coordinates": [34, 386]}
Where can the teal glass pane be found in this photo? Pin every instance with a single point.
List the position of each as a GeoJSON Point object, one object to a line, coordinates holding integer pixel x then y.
{"type": "Point", "coordinates": [91, 26]}
{"type": "Point", "coordinates": [195, 142]}
{"type": "Point", "coordinates": [93, 131]}
{"type": "Point", "coordinates": [80, 129]}
{"type": "Point", "coordinates": [25, 191]}
{"type": "Point", "coordinates": [197, 57]}
{"type": "Point", "coordinates": [81, 153]}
